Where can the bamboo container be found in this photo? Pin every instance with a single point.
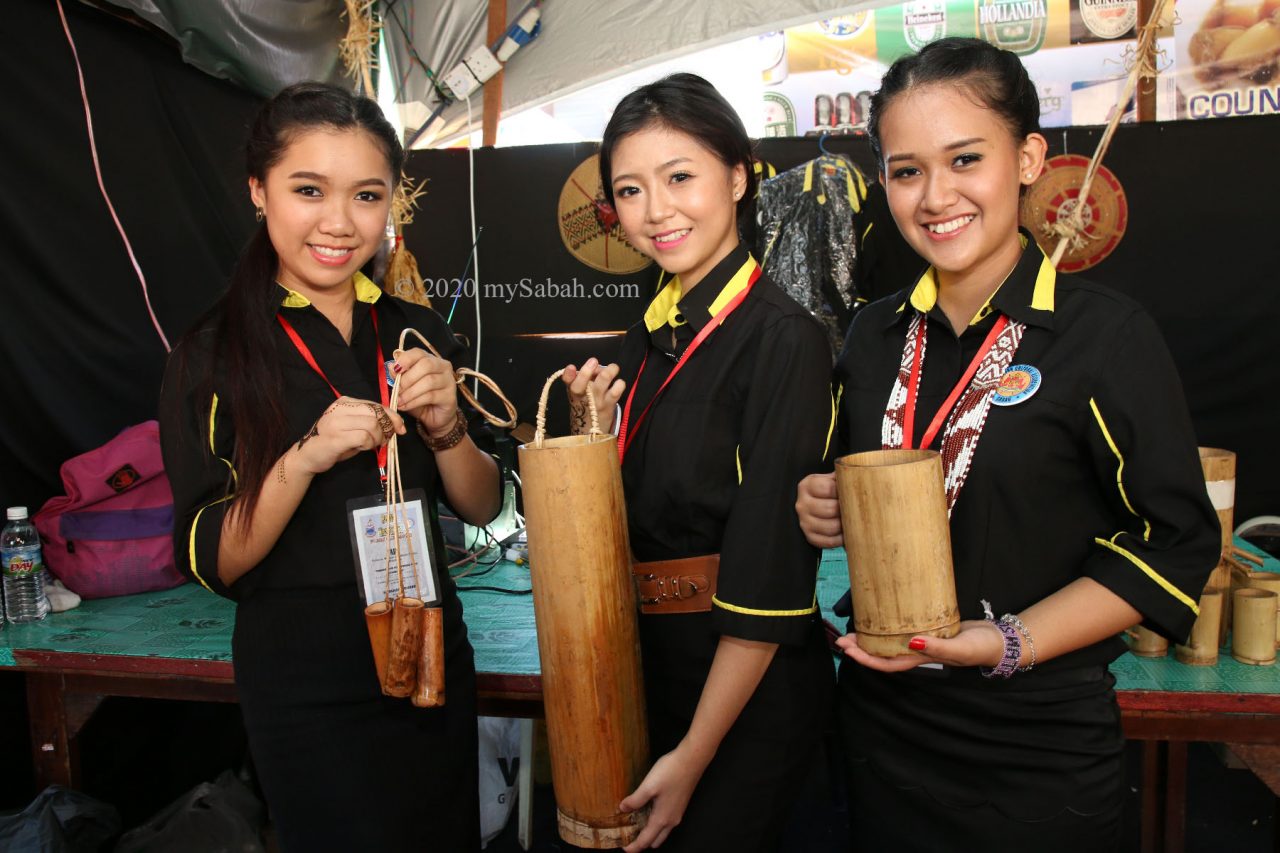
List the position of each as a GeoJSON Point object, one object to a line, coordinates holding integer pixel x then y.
{"type": "Point", "coordinates": [406, 648]}
{"type": "Point", "coordinates": [430, 689]}
{"type": "Point", "coordinates": [377, 618]}
{"type": "Point", "coordinates": [1268, 581]}
{"type": "Point", "coordinates": [1253, 636]}
{"type": "Point", "coordinates": [893, 509]}
{"type": "Point", "coordinates": [1147, 644]}
{"type": "Point", "coordinates": [588, 635]}
{"type": "Point", "coordinates": [1202, 647]}
{"type": "Point", "coordinates": [1219, 467]}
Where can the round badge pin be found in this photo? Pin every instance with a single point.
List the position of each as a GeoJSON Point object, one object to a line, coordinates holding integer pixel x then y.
{"type": "Point", "coordinates": [1017, 384]}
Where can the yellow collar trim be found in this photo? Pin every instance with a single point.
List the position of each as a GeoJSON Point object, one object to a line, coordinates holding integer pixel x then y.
{"type": "Point", "coordinates": [925, 294]}
{"type": "Point", "coordinates": [366, 291]}
{"type": "Point", "coordinates": [1046, 284]}
{"type": "Point", "coordinates": [664, 310]}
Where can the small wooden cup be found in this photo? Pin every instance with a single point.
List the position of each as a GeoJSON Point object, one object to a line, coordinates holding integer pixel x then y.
{"type": "Point", "coordinates": [377, 618]}
{"type": "Point", "coordinates": [1219, 469]}
{"type": "Point", "coordinates": [406, 648]}
{"type": "Point", "coordinates": [1269, 581]}
{"type": "Point", "coordinates": [1202, 648]}
{"type": "Point", "coordinates": [1147, 644]}
{"type": "Point", "coordinates": [430, 691]}
{"type": "Point", "coordinates": [1253, 638]}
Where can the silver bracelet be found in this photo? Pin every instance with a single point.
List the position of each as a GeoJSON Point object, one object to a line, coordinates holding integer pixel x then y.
{"type": "Point", "coordinates": [1012, 619]}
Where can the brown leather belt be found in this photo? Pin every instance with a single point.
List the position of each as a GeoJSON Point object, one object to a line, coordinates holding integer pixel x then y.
{"type": "Point", "coordinates": [676, 586]}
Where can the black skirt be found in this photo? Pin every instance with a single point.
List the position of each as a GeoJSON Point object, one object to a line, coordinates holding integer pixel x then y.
{"type": "Point", "coordinates": [342, 766]}
{"type": "Point", "coordinates": [745, 795]}
{"type": "Point", "coordinates": [948, 760]}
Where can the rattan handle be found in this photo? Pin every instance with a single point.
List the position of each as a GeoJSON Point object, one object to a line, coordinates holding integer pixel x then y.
{"type": "Point", "coordinates": [541, 431]}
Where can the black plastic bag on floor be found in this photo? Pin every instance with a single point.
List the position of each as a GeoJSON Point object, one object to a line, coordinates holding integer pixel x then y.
{"type": "Point", "coordinates": [222, 816]}
{"type": "Point", "coordinates": [59, 821]}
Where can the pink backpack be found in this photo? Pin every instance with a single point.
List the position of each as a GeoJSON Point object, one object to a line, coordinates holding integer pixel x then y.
{"type": "Point", "coordinates": [112, 534]}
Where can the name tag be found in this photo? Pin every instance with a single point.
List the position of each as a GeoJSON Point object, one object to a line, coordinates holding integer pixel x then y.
{"type": "Point", "coordinates": [392, 548]}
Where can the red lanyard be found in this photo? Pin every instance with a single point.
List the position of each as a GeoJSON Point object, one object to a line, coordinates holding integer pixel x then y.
{"type": "Point", "coordinates": [310, 359]}
{"type": "Point", "coordinates": [626, 434]}
{"type": "Point", "coordinates": [913, 385]}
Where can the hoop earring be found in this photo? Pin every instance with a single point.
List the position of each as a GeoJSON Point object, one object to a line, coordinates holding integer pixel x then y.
{"type": "Point", "coordinates": [259, 214]}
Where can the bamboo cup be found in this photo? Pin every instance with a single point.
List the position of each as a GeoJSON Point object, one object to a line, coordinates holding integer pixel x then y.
{"type": "Point", "coordinates": [1148, 644]}
{"type": "Point", "coordinates": [893, 509]}
{"type": "Point", "coordinates": [588, 635]}
{"type": "Point", "coordinates": [377, 618]}
{"type": "Point", "coordinates": [1268, 581]}
{"type": "Point", "coordinates": [406, 648]}
{"type": "Point", "coordinates": [1202, 648]}
{"type": "Point", "coordinates": [1219, 467]}
{"type": "Point", "coordinates": [430, 689]}
{"type": "Point", "coordinates": [1253, 636]}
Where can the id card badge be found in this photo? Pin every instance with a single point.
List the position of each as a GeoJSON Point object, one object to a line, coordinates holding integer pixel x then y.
{"type": "Point", "coordinates": [380, 561]}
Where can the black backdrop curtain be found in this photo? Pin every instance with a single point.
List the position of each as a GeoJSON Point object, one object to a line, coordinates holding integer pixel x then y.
{"type": "Point", "coordinates": [83, 361]}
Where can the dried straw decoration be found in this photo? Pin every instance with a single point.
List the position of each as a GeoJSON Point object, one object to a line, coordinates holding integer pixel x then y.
{"type": "Point", "coordinates": [358, 48]}
{"type": "Point", "coordinates": [1070, 229]}
{"type": "Point", "coordinates": [402, 278]}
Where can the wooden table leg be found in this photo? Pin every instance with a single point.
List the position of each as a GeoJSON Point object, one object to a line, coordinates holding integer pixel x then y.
{"type": "Point", "coordinates": [51, 745]}
{"type": "Point", "coordinates": [1175, 803]}
{"type": "Point", "coordinates": [56, 717]}
{"type": "Point", "coordinates": [1152, 801]}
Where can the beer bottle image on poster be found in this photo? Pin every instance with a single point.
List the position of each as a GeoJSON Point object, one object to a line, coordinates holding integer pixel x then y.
{"type": "Point", "coordinates": [1103, 20]}
{"type": "Point", "coordinates": [905, 29]}
{"type": "Point", "coordinates": [1015, 25]}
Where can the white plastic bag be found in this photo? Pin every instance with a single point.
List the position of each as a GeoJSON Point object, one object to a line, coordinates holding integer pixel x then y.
{"type": "Point", "coordinates": [499, 767]}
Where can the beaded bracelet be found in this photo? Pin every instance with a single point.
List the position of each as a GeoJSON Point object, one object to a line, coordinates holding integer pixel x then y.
{"type": "Point", "coordinates": [1012, 652]}
{"type": "Point", "coordinates": [450, 439]}
{"type": "Point", "coordinates": [1012, 619]}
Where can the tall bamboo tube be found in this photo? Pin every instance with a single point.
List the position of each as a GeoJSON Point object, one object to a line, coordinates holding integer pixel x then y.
{"type": "Point", "coordinates": [1268, 581]}
{"type": "Point", "coordinates": [588, 636]}
{"type": "Point", "coordinates": [893, 509]}
{"type": "Point", "coordinates": [1202, 648]}
{"type": "Point", "coordinates": [1253, 636]}
{"type": "Point", "coordinates": [1219, 467]}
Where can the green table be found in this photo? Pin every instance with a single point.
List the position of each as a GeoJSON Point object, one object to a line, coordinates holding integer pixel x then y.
{"type": "Point", "coordinates": [176, 644]}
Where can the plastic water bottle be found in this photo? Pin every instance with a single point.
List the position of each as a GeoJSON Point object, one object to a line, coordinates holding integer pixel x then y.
{"type": "Point", "coordinates": [23, 567]}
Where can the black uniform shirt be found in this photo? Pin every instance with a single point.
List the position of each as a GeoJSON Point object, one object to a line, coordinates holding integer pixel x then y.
{"type": "Point", "coordinates": [714, 466]}
{"type": "Point", "coordinates": [197, 437]}
{"type": "Point", "coordinates": [1096, 475]}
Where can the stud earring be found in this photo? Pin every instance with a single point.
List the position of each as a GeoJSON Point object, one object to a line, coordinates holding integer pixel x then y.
{"type": "Point", "coordinates": [259, 214]}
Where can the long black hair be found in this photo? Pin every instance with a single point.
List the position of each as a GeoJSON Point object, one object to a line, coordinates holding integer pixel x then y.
{"type": "Point", "coordinates": [691, 105]}
{"type": "Point", "coordinates": [245, 336]}
{"type": "Point", "coordinates": [995, 77]}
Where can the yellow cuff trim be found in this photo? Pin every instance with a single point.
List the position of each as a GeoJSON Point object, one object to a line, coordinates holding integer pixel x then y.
{"type": "Point", "coordinates": [737, 457]}
{"type": "Point", "coordinates": [831, 427]}
{"type": "Point", "coordinates": [751, 611]}
{"type": "Point", "coordinates": [1106, 433]}
{"type": "Point", "coordinates": [1151, 573]}
{"type": "Point", "coordinates": [191, 552]}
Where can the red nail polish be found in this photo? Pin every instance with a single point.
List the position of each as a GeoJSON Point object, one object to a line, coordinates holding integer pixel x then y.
{"type": "Point", "coordinates": [396, 368]}
{"type": "Point", "coordinates": [917, 644]}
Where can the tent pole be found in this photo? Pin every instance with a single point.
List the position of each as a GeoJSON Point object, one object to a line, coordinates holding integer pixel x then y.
{"type": "Point", "coordinates": [493, 87]}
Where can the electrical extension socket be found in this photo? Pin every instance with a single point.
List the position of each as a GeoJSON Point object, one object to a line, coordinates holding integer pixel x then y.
{"type": "Point", "coordinates": [471, 73]}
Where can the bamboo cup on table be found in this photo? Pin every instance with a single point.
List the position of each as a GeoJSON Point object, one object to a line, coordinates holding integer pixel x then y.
{"type": "Point", "coordinates": [893, 510]}
{"type": "Point", "coordinates": [1268, 581]}
{"type": "Point", "coordinates": [1219, 468]}
{"type": "Point", "coordinates": [1202, 647]}
{"type": "Point", "coordinates": [584, 605]}
{"type": "Point", "coordinates": [1148, 644]}
{"type": "Point", "coordinates": [430, 689]}
{"type": "Point", "coordinates": [1253, 634]}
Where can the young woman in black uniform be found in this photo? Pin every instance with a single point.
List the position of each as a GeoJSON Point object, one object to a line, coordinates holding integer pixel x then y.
{"type": "Point", "coordinates": [1078, 506]}
{"type": "Point", "coordinates": [273, 417]}
{"type": "Point", "coordinates": [718, 384]}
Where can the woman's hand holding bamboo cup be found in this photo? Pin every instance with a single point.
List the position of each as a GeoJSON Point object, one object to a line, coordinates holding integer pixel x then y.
{"type": "Point", "coordinates": [819, 511]}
